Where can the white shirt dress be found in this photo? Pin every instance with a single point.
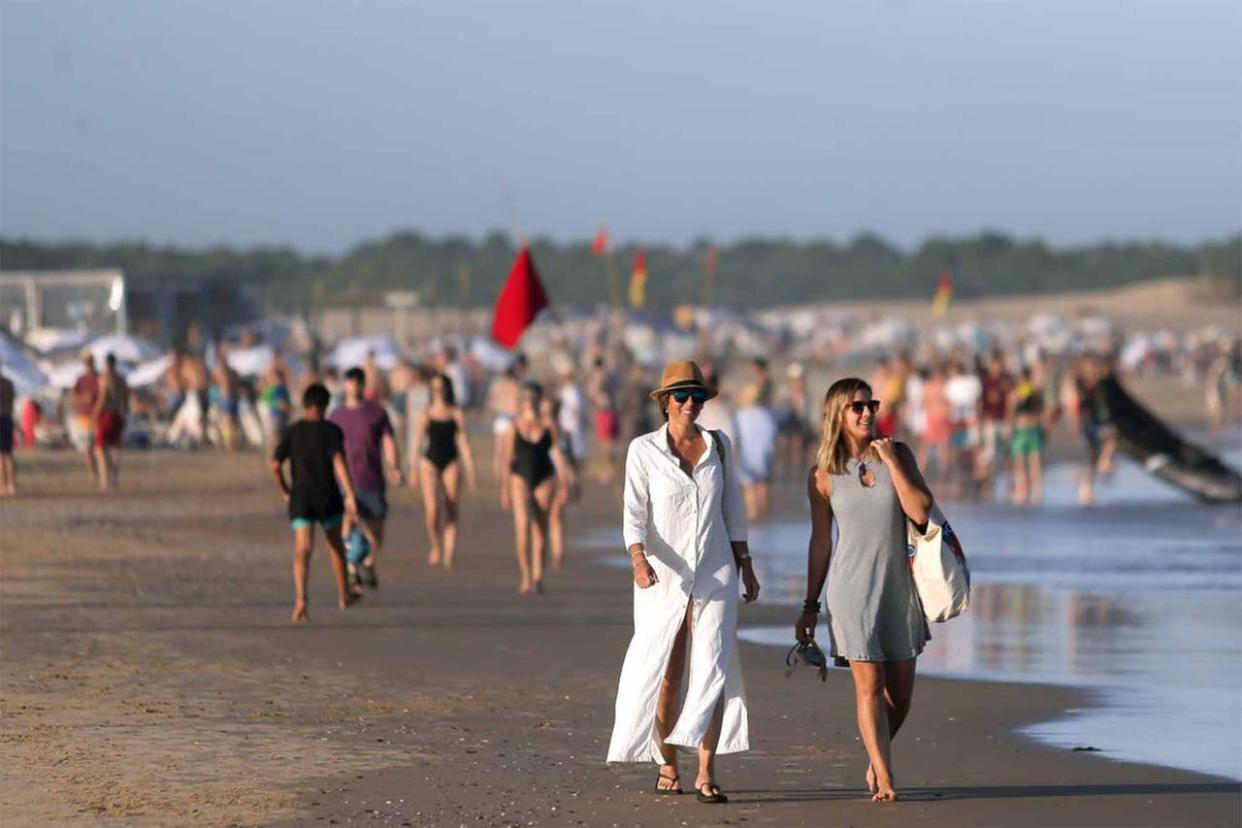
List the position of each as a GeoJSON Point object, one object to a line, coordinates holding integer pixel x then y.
{"type": "Point", "coordinates": [686, 524]}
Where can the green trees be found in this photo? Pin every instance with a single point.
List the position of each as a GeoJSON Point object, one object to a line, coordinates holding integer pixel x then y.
{"type": "Point", "coordinates": [753, 272]}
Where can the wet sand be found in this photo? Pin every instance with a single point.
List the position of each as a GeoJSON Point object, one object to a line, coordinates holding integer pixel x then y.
{"type": "Point", "coordinates": [151, 676]}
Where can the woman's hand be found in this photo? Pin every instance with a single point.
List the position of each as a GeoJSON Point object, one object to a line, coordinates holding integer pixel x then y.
{"type": "Point", "coordinates": [644, 574]}
{"type": "Point", "coordinates": [750, 583]}
{"type": "Point", "coordinates": [886, 450]}
{"type": "Point", "coordinates": [804, 631]}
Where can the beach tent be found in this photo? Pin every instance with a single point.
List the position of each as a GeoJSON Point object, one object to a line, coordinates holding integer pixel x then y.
{"type": "Point", "coordinates": [62, 375]}
{"type": "Point", "coordinates": [55, 340]}
{"type": "Point", "coordinates": [251, 362]}
{"type": "Point", "coordinates": [352, 352]}
{"type": "Point", "coordinates": [15, 364]}
{"type": "Point", "coordinates": [125, 348]}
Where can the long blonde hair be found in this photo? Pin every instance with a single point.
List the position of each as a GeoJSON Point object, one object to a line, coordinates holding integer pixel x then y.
{"type": "Point", "coordinates": [833, 454]}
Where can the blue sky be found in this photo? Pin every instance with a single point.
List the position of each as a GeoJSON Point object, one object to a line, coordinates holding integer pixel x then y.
{"type": "Point", "coordinates": [324, 123]}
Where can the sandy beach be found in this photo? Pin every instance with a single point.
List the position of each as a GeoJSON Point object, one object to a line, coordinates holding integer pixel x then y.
{"type": "Point", "coordinates": [151, 676]}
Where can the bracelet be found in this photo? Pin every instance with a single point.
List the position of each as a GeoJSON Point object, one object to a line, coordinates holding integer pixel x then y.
{"type": "Point", "coordinates": [741, 559]}
{"type": "Point", "coordinates": [809, 606]}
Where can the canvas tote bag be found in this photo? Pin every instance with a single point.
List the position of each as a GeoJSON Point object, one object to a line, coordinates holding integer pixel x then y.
{"type": "Point", "coordinates": [941, 575]}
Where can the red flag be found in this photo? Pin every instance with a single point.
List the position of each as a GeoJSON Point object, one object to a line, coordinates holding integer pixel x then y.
{"type": "Point", "coordinates": [600, 245]}
{"type": "Point", "coordinates": [638, 279]}
{"type": "Point", "coordinates": [944, 294]}
{"type": "Point", "coordinates": [520, 300]}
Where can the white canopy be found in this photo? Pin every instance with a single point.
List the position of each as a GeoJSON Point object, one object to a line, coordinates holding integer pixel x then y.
{"type": "Point", "coordinates": [20, 368]}
{"type": "Point", "coordinates": [125, 348]}
{"type": "Point", "coordinates": [251, 362]}
{"type": "Point", "coordinates": [352, 352]}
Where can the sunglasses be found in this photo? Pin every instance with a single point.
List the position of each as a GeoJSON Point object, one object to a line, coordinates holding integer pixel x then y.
{"type": "Point", "coordinates": [859, 406]}
{"type": "Point", "coordinates": [681, 396]}
{"type": "Point", "coordinates": [807, 653]}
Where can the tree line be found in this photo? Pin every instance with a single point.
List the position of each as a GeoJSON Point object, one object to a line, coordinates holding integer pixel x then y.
{"type": "Point", "coordinates": [460, 271]}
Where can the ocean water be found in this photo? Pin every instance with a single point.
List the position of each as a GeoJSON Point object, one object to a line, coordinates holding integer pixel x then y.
{"type": "Point", "coordinates": [1137, 598]}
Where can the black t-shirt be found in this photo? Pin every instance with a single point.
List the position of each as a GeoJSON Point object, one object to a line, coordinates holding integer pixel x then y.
{"type": "Point", "coordinates": [309, 446]}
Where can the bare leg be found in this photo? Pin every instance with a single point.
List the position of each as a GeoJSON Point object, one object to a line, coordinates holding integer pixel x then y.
{"type": "Point", "coordinates": [104, 467]}
{"type": "Point", "coordinates": [1021, 488]}
{"type": "Point", "coordinates": [761, 498]}
{"type": "Point", "coordinates": [374, 531]}
{"type": "Point", "coordinates": [748, 497]}
{"type": "Point", "coordinates": [541, 500]}
{"type": "Point", "coordinates": [303, 542]}
{"type": "Point", "coordinates": [452, 494]}
{"type": "Point", "coordinates": [521, 500]}
{"type": "Point", "coordinates": [1037, 478]}
{"type": "Point", "coordinates": [873, 724]}
{"type": "Point", "coordinates": [8, 476]}
{"type": "Point", "coordinates": [898, 693]}
{"type": "Point", "coordinates": [707, 752]}
{"type": "Point", "coordinates": [431, 508]}
{"type": "Point", "coordinates": [343, 596]}
{"type": "Point", "coordinates": [556, 523]}
{"type": "Point", "coordinates": [669, 698]}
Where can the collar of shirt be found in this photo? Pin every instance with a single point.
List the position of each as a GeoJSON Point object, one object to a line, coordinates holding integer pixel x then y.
{"type": "Point", "coordinates": [662, 445]}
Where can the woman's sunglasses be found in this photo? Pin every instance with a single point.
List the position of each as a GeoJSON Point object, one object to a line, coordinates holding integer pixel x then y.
{"type": "Point", "coordinates": [859, 406]}
{"type": "Point", "coordinates": [683, 395]}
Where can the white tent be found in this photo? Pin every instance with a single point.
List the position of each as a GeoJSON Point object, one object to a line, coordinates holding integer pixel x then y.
{"type": "Point", "coordinates": [125, 348]}
{"type": "Point", "coordinates": [148, 373]}
{"type": "Point", "coordinates": [251, 362]}
{"type": "Point", "coordinates": [350, 353]}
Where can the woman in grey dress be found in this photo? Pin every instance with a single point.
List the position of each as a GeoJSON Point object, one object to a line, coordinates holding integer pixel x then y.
{"type": "Point", "coordinates": [870, 485]}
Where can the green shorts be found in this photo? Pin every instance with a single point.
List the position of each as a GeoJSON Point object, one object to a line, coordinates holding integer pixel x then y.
{"type": "Point", "coordinates": [332, 522]}
{"type": "Point", "coordinates": [1027, 440]}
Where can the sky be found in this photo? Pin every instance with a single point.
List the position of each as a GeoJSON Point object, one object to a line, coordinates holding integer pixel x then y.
{"type": "Point", "coordinates": [321, 124]}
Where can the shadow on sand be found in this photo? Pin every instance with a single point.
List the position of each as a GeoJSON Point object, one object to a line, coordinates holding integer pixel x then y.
{"type": "Point", "coordinates": [991, 792]}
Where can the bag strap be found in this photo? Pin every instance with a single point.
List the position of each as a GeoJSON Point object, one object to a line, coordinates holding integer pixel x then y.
{"type": "Point", "coordinates": [719, 451]}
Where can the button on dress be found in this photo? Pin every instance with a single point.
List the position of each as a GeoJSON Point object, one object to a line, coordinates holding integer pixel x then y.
{"type": "Point", "coordinates": [687, 523]}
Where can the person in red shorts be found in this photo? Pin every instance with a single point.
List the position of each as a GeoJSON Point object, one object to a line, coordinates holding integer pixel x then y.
{"type": "Point", "coordinates": [109, 416]}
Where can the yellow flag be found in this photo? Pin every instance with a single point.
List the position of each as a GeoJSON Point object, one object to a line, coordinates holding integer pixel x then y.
{"type": "Point", "coordinates": [638, 280]}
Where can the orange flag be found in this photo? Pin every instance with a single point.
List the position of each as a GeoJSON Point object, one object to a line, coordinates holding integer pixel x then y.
{"type": "Point", "coordinates": [600, 245]}
{"type": "Point", "coordinates": [944, 294]}
{"type": "Point", "coordinates": [638, 279]}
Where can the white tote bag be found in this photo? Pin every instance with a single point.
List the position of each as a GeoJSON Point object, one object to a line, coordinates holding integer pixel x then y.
{"type": "Point", "coordinates": [941, 575]}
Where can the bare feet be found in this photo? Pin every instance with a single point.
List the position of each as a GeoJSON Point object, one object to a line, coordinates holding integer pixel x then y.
{"type": "Point", "coordinates": [884, 794]}
{"type": "Point", "coordinates": [433, 557]}
{"type": "Point", "coordinates": [448, 561]}
{"type": "Point", "coordinates": [538, 587]}
{"type": "Point", "coordinates": [348, 600]}
{"type": "Point", "coordinates": [871, 786]}
{"type": "Point", "coordinates": [524, 588]}
{"type": "Point", "coordinates": [299, 614]}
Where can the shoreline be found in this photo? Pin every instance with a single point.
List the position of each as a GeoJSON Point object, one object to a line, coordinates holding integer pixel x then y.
{"type": "Point", "coordinates": [152, 677]}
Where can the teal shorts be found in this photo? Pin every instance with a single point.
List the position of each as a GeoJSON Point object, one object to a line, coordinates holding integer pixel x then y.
{"type": "Point", "coordinates": [1027, 440]}
{"type": "Point", "coordinates": [332, 522]}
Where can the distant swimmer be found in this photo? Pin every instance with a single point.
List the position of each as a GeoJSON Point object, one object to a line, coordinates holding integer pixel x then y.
{"type": "Point", "coordinates": [315, 449]}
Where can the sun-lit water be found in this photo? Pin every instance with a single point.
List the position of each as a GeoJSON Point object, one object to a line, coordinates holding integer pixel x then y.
{"type": "Point", "coordinates": [1138, 598]}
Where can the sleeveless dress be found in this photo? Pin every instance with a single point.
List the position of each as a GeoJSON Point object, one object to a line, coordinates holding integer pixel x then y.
{"type": "Point", "coordinates": [873, 610]}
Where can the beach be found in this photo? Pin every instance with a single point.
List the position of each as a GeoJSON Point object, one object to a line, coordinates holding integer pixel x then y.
{"type": "Point", "coordinates": [151, 676]}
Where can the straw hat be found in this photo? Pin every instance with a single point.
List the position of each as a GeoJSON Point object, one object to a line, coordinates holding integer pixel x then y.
{"type": "Point", "coordinates": [682, 373]}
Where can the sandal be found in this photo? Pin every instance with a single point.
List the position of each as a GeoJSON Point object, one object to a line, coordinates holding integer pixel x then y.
{"type": "Point", "coordinates": [713, 795]}
{"type": "Point", "coordinates": [368, 576]}
{"type": "Point", "coordinates": [674, 786]}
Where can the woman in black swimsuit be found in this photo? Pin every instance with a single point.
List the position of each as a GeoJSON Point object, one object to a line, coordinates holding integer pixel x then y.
{"type": "Point", "coordinates": [532, 452]}
{"type": "Point", "coordinates": [437, 453]}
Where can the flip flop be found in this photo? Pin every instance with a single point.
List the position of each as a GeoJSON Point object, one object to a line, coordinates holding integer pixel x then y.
{"type": "Point", "coordinates": [674, 788]}
{"type": "Point", "coordinates": [713, 797]}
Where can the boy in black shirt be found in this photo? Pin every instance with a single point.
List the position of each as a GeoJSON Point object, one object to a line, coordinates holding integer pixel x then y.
{"type": "Point", "coordinates": [315, 449]}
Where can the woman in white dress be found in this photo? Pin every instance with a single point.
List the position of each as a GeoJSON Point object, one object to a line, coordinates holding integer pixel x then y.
{"type": "Point", "coordinates": [685, 530]}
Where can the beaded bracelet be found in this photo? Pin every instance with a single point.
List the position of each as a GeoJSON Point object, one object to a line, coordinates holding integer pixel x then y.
{"type": "Point", "coordinates": [810, 606]}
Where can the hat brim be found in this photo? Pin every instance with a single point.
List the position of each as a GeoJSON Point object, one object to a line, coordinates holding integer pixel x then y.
{"type": "Point", "coordinates": [688, 385]}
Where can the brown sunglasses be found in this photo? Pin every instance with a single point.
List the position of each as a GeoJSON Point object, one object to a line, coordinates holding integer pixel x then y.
{"type": "Point", "coordinates": [859, 406]}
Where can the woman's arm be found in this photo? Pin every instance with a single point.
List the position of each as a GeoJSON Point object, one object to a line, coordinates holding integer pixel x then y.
{"type": "Point", "coordinates": [635, 515]}
{"type": "Point", "coordinates": [416, 448]}
{"type": "Point", "coordinates": [463, 448]}
{"type": "Point", "coordinates": [818, 553]}
{"type": "Point", "coordinates": [912, 491]}
{"type": "Point", "coordinates": [563, 470]}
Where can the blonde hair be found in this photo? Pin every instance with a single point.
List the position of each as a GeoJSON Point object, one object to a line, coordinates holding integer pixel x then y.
{"type": "Point", "coordinates": [833, 454]}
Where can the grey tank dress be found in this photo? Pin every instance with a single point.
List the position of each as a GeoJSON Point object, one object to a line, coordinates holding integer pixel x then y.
{"type": "Point", "coordinates": [873, 610]}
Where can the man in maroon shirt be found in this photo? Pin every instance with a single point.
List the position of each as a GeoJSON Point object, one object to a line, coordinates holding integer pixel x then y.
{"type": "Point", "coordinates": [993, 420]}
{"type": "Point", "coordinates": [369, 444]}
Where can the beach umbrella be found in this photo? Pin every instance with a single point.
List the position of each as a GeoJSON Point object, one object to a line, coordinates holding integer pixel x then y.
{"type": "Point", "coordinates": [148, 373]}
{"type": "Point", "coordinates": [124, 348]}
{"type": "Point", "coordinates": [62, 375]}
{"type": "Point", "coordinates": [51, 340]}
{"type": "Point", "coordinates": [15, 364]}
